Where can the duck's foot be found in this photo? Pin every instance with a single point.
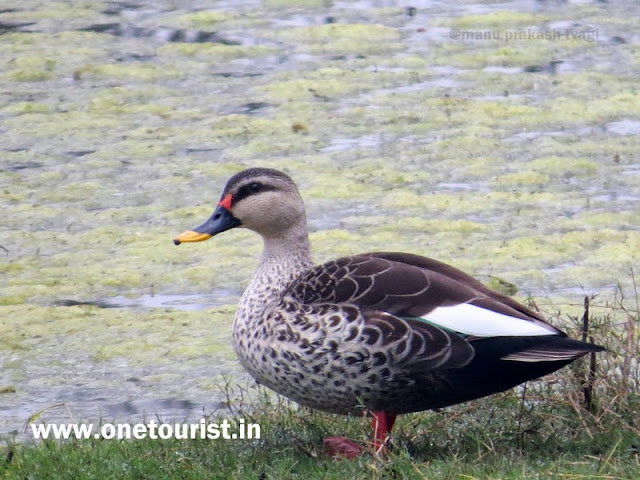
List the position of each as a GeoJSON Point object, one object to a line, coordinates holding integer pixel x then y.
{"type": "Point", "coordinates": [341, 447]}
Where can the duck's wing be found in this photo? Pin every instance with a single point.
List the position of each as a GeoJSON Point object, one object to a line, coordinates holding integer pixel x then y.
{"type": "Point", "coordinates": [417, 333]}
{"type": "Point", "coordinates": [414, 287]}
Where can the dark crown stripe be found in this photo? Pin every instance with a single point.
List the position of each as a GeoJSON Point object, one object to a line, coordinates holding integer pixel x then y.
{"type": "Point", "coordinates": [256, 173]}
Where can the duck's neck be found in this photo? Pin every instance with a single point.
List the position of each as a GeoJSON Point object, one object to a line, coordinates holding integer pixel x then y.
{"type": "Point", "coordinates": [291, 247]}
{"type": "Point", "coordinates": [284, 258]}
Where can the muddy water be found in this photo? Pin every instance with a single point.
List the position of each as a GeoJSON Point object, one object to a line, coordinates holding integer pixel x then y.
{"type": "Point", "coordinates": [501, 137]}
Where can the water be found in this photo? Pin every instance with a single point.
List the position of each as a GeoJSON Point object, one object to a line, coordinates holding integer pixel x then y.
{"type": "Point", "coordinates": [184, 302]}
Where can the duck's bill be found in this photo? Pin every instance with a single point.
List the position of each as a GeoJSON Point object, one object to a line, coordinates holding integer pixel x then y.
{"type": "Point", "coordinates": [191, 236]}
{"type": "Point", "coordinates": [220, 221]}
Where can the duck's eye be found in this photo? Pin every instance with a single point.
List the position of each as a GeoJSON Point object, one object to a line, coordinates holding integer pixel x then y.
{"type": "Point", "coordinates": [255, 187]}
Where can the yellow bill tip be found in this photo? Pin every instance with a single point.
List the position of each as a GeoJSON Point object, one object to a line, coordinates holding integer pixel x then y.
{"type": "Point", "coordinates": [190, 236]}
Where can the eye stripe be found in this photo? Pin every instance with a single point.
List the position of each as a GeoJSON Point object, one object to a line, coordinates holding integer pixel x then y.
{"type": "Point", "coordinates": [249, 189]}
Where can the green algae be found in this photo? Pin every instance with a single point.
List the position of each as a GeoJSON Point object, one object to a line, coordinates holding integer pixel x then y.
{"type": "Point", "coordinates": [24, 51]}
{"type": "Point", "coordinates": [500, 285]}
{"type": "Point", "coordinates": [343, 38]}
{"type": "Point", "coordinates": [327, 83]}
{"type": "Point", "coordinates": [31, 62]}
{"type": "Point", "coordinates": [582, 84]}
{"type": "Point", "coordinates": [29, 75]}
{"type": "Point", "coordinates": [454, 203]}
{"type": "Point", "coordinates": [515, 54]}
{"type": "Point", "coordinates": [37, 125]}
{"type": "Point", "coordinates": [622, 221]}
{"type": "Point", "coordinates": [565, 166]}
{"type": "Point", "coordinates": [297, 3]}
{"type": "Point", "coordinates": [499, 19]}
{"type": "Point", "coordinates": [20, 108]}
{"type": "Point", "coordinates": [334, 243]}
{"type": "Point", "coordinates": [140, 73]}
{"type": "Point", "coordinates": [202, 19]}
{"type": "Point", "coordinates": [522, 179]}
{"type": "Point", "coordinates": [213, 51]}
{"type": "Point", "coordinates": [573, 111]}
{"type": "Point", "coordinates": [52, 12]}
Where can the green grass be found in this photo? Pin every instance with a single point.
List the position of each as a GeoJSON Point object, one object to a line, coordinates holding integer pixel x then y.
{"type": "Point", "coordinates": [487, 439]}
{"type": "Point", "coordinates": [542, 430]}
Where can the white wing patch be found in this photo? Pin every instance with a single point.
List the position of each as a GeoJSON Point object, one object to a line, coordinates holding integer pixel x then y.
{"type": "Point", "coordinates": [480, 322]}
{"type": "Point", "coordinates": [534, 356]}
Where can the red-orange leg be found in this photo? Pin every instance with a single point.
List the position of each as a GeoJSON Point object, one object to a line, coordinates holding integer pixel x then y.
{"type": "Point", "coordinates": [382, 423]}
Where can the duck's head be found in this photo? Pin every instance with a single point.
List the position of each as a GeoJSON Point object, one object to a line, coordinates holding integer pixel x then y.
{"type": "Point", "coordinates": [264, 200]}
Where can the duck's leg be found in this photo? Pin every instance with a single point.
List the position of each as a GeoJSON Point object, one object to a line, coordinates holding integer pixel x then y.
{"type": "Point", "coordinates": [341, 447]}
{"type": "Point", "coordinates": [382, 423]}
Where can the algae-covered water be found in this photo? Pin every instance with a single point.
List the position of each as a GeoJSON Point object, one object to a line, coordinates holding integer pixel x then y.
{"type": "Point", "coordinates": [501, 137]}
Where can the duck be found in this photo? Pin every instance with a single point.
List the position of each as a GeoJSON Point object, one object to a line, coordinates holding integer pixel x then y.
{"type": "Point", "coordinates": [380, 333]}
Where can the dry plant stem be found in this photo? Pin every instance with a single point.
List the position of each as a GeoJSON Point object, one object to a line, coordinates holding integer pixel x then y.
{"type": "Point", "coordinates": [626, 364]}
{"type": "Point", "coordinates": [587, 387]}
{"type": "Point", "coordinates": [578, 410]}
{"type": "Point", "coordinates": [520, 416]}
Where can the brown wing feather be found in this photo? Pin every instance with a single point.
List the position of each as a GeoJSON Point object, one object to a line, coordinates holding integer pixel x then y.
{"type": "Point", "coordinates": [401, 284]}
{"type": "Point", "coordinates": [487, 298]}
